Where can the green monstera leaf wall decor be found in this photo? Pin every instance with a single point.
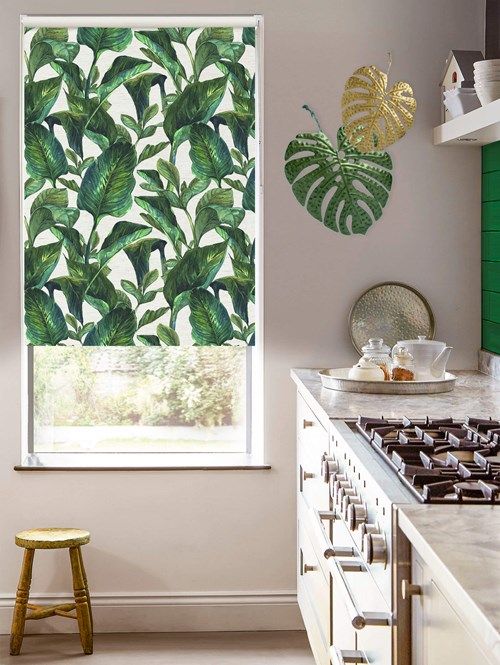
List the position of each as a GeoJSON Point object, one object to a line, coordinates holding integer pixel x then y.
{"type": "Point", "coordinates": [343, 188]}
{"type": "Point", "coordinates": [139, 163]}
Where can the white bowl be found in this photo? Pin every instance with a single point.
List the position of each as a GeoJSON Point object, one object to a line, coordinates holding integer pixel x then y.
{"type": "Point", "coordinates": [486, 74]}
{"type": "Point", "coordinates": [486, 84]}
{"type": "Point", "coordinates": [487, 77]}
{"type": "Point", "coordinates": [486, 70]}
{"type": "Point", "coordinates": [485, 64]}
{"type": "Point", "coordinates": [494, 93]}
{"type": "Point", "coordinates": [486, 96]}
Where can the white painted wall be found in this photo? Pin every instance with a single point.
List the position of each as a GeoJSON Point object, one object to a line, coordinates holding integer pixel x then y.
{"type": "Point", "coordinates": [234, 531]}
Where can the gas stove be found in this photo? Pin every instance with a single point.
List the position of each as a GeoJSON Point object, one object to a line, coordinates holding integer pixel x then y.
{"type": "Point", "coordinates": [440, 461]}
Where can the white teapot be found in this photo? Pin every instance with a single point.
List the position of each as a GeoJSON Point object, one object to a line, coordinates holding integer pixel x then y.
{"type": "Point", "coordinates": [366, 370]}
{"type": "Point", "coordinates": [430, 357]}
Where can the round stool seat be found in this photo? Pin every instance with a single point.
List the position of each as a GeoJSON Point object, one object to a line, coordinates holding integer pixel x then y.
{"type": "Point", "coordinates": [51, 538]}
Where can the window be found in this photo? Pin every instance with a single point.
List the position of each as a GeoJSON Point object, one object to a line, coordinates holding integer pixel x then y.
{"type": "Point", "coordinates": [141, 163]}
{"type": "Point", "coordinates": [98, 399]}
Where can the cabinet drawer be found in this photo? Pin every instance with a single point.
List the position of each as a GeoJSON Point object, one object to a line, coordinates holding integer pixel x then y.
{"type": "Point", "coordinates": [439, 634]}
{"type": "Point", "coordinates": [375, 642]}
{"type": "Point", "coordinates": [313, 444]}
{"type": "Point", "coordinates": [459, 647]}
{"type": "Point", "coordinates": [315, 585]}
{"type": "Point", "coordinates": [311, 486]}
{"type": "Point", "coordinates": [323, 532]}
{"type": "Point", "coordinates": [318, 647]}
{"type": "Point", "coordinates": [312, 436]}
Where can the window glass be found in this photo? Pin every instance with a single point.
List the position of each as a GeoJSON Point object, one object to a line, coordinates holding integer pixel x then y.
{"type": "Point", "coordinates": [133, 399]}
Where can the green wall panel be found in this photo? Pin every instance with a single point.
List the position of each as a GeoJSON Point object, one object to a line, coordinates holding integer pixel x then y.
{"type": "Point", "coordinates": [491, 336]}
{"type": "Point", "coordinates": [490, 245]}
{"type": "Point", "coordinates": [490, 216]}
{"type": "Point", "coordinates": [491, 276]}
{"type": "Point", "coordinates": [490, 190]}
{"type": "Point", "coordinates": [491, 157]}
{"type": "Point", "coordinates": [491, 306]}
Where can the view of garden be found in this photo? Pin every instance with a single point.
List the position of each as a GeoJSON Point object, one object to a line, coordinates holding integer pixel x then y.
{"type": "Point", "coordinates": [139, 399]}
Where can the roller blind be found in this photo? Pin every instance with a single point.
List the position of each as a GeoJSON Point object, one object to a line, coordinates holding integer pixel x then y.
{"type": "Point", "coordinates": [139, 181]}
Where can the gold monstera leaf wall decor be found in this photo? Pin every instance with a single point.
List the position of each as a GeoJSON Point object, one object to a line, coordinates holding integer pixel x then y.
{"type": "Point", "coordinates": [373, 116]}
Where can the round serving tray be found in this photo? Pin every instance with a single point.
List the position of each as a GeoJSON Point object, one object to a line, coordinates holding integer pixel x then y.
{"type": "Point", "coordinates": [390, 310]}
{"type": "Point", "coordinates": [338, 379]}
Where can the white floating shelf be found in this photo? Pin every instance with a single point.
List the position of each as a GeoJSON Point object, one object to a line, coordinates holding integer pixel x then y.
{"type": "Point", "coordinates": [475, 128]}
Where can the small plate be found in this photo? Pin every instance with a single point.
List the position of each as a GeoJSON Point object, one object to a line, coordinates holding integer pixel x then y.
{"type": "Point", "coordinates": [338, 379]}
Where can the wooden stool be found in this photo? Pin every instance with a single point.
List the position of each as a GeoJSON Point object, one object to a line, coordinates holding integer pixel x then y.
{"type": "Point", "coordinates": [51, 539]}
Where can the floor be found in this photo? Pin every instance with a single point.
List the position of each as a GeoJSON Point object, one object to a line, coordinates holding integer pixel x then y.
{"type": "Point", "coordinates": [275, 648]}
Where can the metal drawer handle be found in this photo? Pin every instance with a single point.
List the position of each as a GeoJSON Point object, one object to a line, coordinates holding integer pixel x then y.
{"type": "Point", "coordinates": [408, 589]}
{"type": "Point", "coordinates": [330, 549]}
{"type": "Point", "coordinates": [359, 619]}
{"type": "Point", "coordinates": [342, 657]}
{"type": "Point", "coordinates": [308, 569]}
{"type": "Point", "coordinates": [306, 475]}
{"type": "Point", "coordinates": [307, 423]}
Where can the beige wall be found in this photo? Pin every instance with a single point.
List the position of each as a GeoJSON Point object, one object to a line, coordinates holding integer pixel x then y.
{"type": "Point", "coordinates": [235, 531]}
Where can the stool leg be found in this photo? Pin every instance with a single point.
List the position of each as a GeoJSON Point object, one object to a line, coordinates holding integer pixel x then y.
{"type": "Point", "coordinates": [81, 601]}
{"type": "Point", "coordinates": [86, 586]}
{"type": "Point", "coordinates": [22, 596]}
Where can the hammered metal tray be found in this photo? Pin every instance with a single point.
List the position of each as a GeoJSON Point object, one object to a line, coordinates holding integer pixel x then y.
{"type": "Point", "coordinates": [391, 310]}
{"type": "Point", "coordinates": [338, 379]}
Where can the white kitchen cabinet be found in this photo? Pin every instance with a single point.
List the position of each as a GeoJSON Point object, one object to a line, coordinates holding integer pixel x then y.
{"type": "Point", "coordinates": [333, 581]}
{"type": "Point", "coordinates": [314, 598]}
{"type": "Point", "coordinates": [313, 582]}
{"type": "Point", "coordinates": [439, 636]}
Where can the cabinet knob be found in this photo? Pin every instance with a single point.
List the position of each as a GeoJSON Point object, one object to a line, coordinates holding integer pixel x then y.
{"type": "Point", "coordinates": [307, 423]}
{"type": "Point", "coordinates": [344, 491]}
{"type": "Point", "coordinates": [306, 475]}
{"type": "Point", "coordinates": [408, 589]}
{"type": "Point", "coordinates": [356, 515]}
{"type": "Point", "coordinates": [364, 529]}
{"type": "Point", "coordinates": [334, 479]}
{"type": "Point", "coordinates": [308, 569]}
{"type": "Point", "coordinates": [350, 499]}
{"type": "Point", "coordinates": [328, 467]}
{"type": "Point", "coordinates": [337, 486]}
{"type": "Point", "coordinates": [375, 548]}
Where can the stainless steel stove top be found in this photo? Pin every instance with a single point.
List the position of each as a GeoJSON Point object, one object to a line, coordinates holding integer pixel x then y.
{"type": "Point", "coordinates": [440, 461]}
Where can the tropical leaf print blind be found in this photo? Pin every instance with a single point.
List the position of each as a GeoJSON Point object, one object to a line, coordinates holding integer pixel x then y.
{"type": "Point", "coordinates": [139, 185]}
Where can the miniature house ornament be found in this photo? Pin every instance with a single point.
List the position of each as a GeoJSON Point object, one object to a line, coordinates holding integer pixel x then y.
{"type": "Point", "coordinates": [458, 73]}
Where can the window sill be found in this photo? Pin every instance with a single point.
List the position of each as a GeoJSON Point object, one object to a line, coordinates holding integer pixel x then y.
{"type": "Point", "coordinates": [140, 462]}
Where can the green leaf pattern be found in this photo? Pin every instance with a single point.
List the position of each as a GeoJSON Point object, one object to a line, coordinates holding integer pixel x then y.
{"type": "Point", "coordinates": [340, 186]}
{"type": "Point", "coordinates": [139, 186]}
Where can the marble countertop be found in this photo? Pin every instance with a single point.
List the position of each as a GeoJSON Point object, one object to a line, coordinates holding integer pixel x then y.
{"type": "Point", "coordinates": [461, 545]}
{"type": "Point", "coordinates": [474, 394]}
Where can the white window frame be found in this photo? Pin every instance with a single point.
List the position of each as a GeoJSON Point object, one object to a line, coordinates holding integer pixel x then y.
{"type": "Point", "coordinates": [253, 458]}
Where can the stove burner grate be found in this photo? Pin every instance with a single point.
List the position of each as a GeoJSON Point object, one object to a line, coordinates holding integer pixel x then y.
{"type": "Point", "coordinates": [443, 460]}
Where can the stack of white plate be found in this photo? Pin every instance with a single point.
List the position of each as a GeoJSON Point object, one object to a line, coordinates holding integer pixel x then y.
{"type": "Point", "coordinates": [460, 100]}
{"type": "Point", "coordinates": [487, 80]}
